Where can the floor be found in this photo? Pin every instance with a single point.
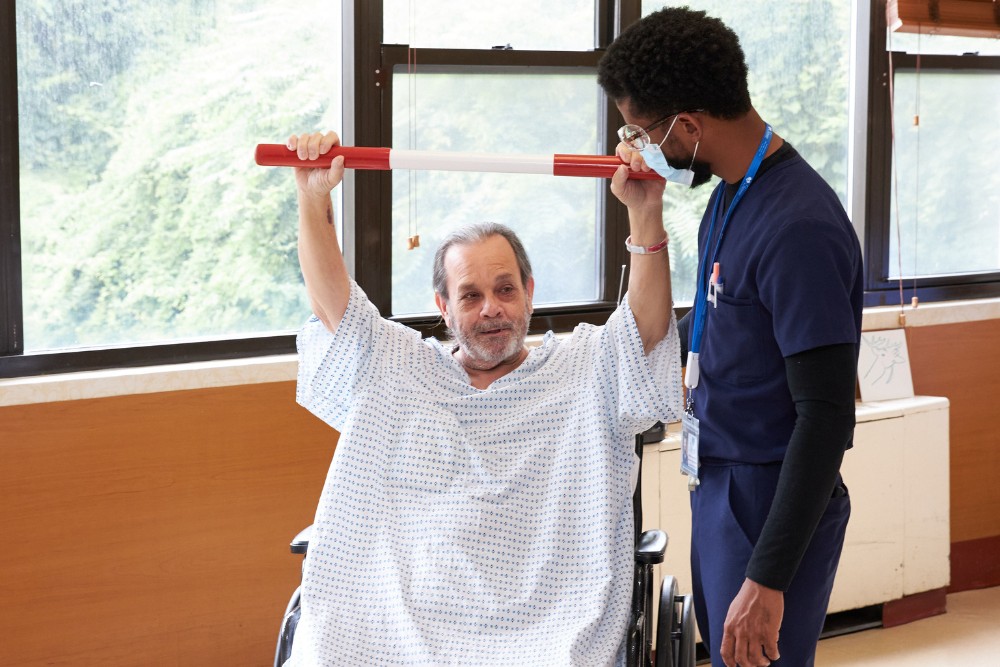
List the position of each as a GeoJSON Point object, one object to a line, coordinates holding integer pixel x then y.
{"type": "Point", "coordinates": [967, 636]}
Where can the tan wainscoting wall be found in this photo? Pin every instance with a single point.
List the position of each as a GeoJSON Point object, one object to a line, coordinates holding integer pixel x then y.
{"type": "Point", "coordinates": [153, 529]}
{"type": "Point", "coordinates": [962, 362]}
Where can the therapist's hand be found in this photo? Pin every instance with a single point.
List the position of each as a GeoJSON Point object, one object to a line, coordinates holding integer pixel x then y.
{"type": "Point", "coordinates": [750, 636]}
{"type": "Point", "coordinates": [644, 196]}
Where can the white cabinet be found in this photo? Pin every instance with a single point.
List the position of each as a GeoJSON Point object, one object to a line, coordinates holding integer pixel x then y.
{"type": "Point", "coordinates": [898, 538]}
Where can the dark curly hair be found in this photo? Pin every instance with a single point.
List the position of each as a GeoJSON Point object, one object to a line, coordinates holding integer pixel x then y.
{"type": "Point", "coordinates": [677, 59]}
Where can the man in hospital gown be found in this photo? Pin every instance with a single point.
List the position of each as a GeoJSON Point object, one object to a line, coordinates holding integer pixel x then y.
{"type": "Point", "coordinates": [478, 507]}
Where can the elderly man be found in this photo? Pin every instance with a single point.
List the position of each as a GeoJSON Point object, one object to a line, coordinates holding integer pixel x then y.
{"type": "Point", "coordinates": [477, 510]}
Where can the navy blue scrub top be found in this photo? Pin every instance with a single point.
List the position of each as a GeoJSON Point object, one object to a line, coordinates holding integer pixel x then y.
{"type": "Point", "coordinates": [791, 270]}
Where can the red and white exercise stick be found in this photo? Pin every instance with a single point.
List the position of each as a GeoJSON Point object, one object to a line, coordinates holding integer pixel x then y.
{"type": "Point", "coordinates": [595, 166]}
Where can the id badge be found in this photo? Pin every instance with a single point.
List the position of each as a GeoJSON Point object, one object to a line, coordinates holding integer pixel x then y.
{"type": "Point", "coordinates": [689, 447]}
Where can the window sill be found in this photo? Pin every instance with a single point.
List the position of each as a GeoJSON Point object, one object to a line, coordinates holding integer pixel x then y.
{"type": "Point", "coordinates": [931, 314]}
{"type": "Point", "coordinates": [283, 367]}
{"type": "Point", "coordinates": [147, 380]}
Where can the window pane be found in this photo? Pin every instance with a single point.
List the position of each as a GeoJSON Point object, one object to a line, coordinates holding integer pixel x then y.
{"type": "Point", "coordinates": [525, 25]}
{"type": "Point", "coordinates": [941, 44]}
{"type": "Point", "coordinates": [947, 181]}
{"type": "Point", "coordinates": [798, 53]}
{"type": "Point", "coordinates": [556, 217]}
{"type": "Point", "coordinates": [143, 216]}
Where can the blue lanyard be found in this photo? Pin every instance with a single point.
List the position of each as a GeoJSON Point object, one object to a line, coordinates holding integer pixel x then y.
{"type": "Point", "coordinates": [701, 300]}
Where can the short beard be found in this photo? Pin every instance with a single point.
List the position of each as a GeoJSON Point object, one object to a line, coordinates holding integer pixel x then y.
{"type": "Point", "coordinates": [482, 356]}
{"type": "Point", "coordinates": [702, 173]}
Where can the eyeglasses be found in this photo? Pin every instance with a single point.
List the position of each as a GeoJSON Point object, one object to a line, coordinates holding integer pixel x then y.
{"type": "Point", "coordinates": [637, 138]}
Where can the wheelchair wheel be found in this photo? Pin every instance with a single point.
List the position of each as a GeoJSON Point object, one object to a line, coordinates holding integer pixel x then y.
{"type": "Point", "coordinates": [686, 654]}
{"type": "Point", "coordinates": [667, 623]}
{"type": "Point", "coordinates": [286, 634]}
{"type": "Point", "coordinates": [675, 627]}
{"type": "Point", "coordinates": [290, 621]}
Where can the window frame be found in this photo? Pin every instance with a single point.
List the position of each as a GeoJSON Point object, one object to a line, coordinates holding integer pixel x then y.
{"type": "Point", "coordinates": [11, 306]}
{"type": "Point", "coordinates": [880, 290]}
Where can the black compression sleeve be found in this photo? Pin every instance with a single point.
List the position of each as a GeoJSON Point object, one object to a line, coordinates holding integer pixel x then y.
{"type": "Point", "coordinates": [683, 332]}
{"type": "Point", "coordinates": [821, 382]}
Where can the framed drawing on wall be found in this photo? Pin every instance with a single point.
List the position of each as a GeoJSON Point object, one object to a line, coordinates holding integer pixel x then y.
{"type": "Point", "coordinates": [884, 366]}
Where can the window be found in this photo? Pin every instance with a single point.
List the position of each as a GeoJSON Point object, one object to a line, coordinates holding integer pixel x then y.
{"type": "Point", "coordinates": [143, 218]}
{"type": "Point", "coordinates": [934, 211]}
{"type": "Point", "coordinates": [497, 111]}
{"type": "Point", "coordinates": [947, 180]}
{"type": "Point", "coordinates": [525, 25]}
{"type": "Point", "coordinates": [485, 77]}
{"type": "Point", "coordinates": [799, 57]}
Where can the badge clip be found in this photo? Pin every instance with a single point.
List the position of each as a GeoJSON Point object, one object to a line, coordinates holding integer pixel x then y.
{"type": "Point", "coordinates": [714, 286]}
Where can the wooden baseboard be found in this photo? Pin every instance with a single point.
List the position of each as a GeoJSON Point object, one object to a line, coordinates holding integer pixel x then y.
{"type": "Point", "coordinates": [914, 607]}
{"type": "Point", "coordinates": [975, 564]}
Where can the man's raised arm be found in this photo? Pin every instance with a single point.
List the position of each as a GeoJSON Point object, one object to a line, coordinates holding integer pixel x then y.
{"type": "Point", "coordinates": [323, 268]}
{"type": "Point", "coordinates": [649, 293]}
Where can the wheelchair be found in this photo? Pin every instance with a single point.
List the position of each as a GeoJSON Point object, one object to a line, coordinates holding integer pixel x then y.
{"type": "Point", "coordinates": [675, 645]}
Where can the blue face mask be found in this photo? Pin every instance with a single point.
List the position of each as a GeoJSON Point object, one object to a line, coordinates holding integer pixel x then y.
{"type": "Point", "coordinates": [654, 158]}
{"type": "Point", "coordinates": [653, 155]}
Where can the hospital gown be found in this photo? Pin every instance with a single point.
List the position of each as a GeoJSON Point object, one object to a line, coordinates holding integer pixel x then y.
{"type": "Point", "coordinates": [460, 526]}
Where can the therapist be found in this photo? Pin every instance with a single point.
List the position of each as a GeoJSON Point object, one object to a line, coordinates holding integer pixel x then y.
{"type": "Point", "coordinates": [773, 339]}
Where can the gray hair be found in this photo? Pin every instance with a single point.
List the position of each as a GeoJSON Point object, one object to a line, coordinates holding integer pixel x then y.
{"type": "Point", "coordinates": [477, 232]}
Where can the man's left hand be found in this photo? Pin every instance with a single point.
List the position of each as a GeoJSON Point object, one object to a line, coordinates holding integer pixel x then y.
{"type": "Point", "coordinates": [750, 636]}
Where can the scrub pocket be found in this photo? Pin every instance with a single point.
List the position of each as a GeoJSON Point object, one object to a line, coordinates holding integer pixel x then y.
{"type": "Point", "coordinates": [733, 349]}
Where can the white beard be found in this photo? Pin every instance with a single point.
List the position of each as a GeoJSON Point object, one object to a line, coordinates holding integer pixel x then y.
{"type": "Point", "coordinates": [485, 354]}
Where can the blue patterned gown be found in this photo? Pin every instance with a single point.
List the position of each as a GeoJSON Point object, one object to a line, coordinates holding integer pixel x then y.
{"type": "Point", "coordinates": [460, 526]}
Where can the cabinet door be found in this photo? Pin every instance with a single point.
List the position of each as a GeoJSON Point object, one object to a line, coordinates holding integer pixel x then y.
{"type": "Point", "coordinates": [927, 501]}
{"type": "Point", "coordinates": [871, 566]}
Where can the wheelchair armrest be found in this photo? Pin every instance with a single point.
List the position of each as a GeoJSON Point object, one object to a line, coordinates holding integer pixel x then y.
{"type": "Point", "coordinates": [300, 544]}
{"type": "Point", "coordinates": [652, 546]}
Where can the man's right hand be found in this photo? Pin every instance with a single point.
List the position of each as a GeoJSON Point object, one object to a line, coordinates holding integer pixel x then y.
{"type": "Point", "coordinates": [323, 268]}
{"type": "Point", "coordinates": [313, 182]}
